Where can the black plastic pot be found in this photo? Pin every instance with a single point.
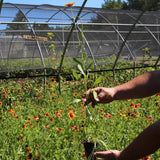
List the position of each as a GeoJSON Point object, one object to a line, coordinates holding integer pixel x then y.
{"type": "Point", "coordinates": [90, 149]}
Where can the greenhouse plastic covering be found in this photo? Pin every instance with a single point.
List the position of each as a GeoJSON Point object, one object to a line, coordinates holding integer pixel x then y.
{"type": "Point", "coordinates": [34, 36]}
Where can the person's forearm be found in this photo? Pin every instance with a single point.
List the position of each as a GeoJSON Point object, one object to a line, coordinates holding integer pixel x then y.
{"type": "Point", "coordinates": [146, 143]}
{"type": "Point", "coordinates": [142, 86]}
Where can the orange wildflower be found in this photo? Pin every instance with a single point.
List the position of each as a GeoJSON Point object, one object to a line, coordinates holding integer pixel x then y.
{"type": "Point", "coordinates": [29, 123]}
{"type": "Point", "coordinates": [60, 100]}
{"type": "Point", "coordinates": [51, 119]}
{"type": "Point", "coordinates": [69, 4]}
{"type": "Point", "coordinates": [75, 128]}
{"type": "Point", "coordinates": [37, 145]}
{"type": "Point", "coordinates": [59, 129]}
{"type": "Point", "coordinates": [71, 115]}
{"type": "Point", "coordinates": [39, 156]}
{"type": "Point", "coordinates": [53, 79]}
{"type": "Point", "coordinates": [122, 114]}
{"type": "Point", "coordinates": [4, 95]}
{"type": "Point", "coordinates": [47, 114]}
{"type": "Point", "coordinates": [108, 115]}
{"type": "Point", "coordinates": [28, 150]}
{"type": "Point", "coordinates": [11, 111]}
{"type": "Point", "coordinates": [24, 126]}
{"type": "Point", "coordinates": [56, 112]}
{"type": "Point", "coordinates": [35, 117]}
{"type": "Point", "coordinates": [30, 156]}
{"type": "Point", "coordinates": [39, 91]}
{"type": "Point", "coordinates": [146, 158]}
{"type": "Point", "coordinates": [46, 125]}
{"type": "Point", "coordinates": [75, 93]}
{"type": "Point", "coordinates": [59, 115]}
{"type": "Point", "coordinates": [101, 110]}
{"type": "Point", "coordinates": [132, 104]}
{"type": "Point", "coordinates": [158, 94]}
{"type": "Point", "coordinates": [150, 118]}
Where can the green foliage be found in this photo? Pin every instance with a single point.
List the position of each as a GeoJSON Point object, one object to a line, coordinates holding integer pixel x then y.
{"type": "Point", "coordinates": [141, 4]}
{"type": "Point", "coordinates": [113, 4]}
{"type": "Point", "coordinates": [132, 4]}
{"type": "Point", "coordinates": [36, 121]}
{"type": "Point", "coordinates": [19, 18]}
{"type": "Point", "coordinates": [50, 35]}
{"type": "Point", "coordinates": [146, 52]}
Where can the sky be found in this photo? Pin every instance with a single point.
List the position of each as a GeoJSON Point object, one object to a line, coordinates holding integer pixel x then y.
{"type": "Point", "coordinates": [90, 3]}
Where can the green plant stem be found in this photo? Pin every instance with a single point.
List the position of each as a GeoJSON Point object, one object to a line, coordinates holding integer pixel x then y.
{"type": "Point", "coordinates": [69, 37]}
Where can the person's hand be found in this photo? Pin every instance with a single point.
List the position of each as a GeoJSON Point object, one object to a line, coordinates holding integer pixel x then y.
{"type": "Point", "coordinates": [104, 95]}
{"type": "Point", "coordinates": [108, 155]}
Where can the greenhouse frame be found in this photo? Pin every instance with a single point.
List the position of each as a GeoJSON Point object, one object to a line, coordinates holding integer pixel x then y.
{"type": "Point", "coordinates": [47, 36]}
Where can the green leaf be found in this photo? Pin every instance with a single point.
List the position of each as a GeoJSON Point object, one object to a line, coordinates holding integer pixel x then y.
{"type": "Point", "coordinates": [98, 80]}
{"type": "Point", "coordinates": [88, 114]}
{"type": "Point", "coordinates": [78, 61]}
{"type": "Point", "coordinates": [82, 35]}
{"type": "Point", "coordinates": [84, 57]}
{"type": "Point", "coordinates": [89, 66]}
{"type": "Point", "coordinates": [94, 94]}
{"type": "Point", "coordinates": [76, 76]}
{"type": "Point", "coordinates": [81, 70]}
{"type": "Point", "coordinates": [76, 101]}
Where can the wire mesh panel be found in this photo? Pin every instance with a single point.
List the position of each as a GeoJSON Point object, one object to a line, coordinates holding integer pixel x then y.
{"type": "Point", "coordinates": [34, 36]}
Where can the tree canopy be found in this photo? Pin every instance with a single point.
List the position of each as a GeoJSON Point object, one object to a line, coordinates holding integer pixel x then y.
{"type": "Point", "coordinates": [132, 4]}
{"type": "Point", "coordinates": [19, 18]}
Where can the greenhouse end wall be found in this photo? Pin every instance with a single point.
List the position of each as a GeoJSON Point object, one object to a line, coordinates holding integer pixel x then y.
{"type": "Point", "coordinates": [34, 37]}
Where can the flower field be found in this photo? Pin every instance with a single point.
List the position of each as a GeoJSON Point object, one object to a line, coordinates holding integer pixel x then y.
{"type": "Point", "coordinates": [36, 122]}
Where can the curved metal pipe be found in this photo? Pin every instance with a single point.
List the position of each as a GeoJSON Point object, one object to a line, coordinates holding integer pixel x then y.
{"type": "Point", "coordinates": [40, 51]}
{"type": "Point", "coordinates": [149, 31]}
{"type": "Point", "coordinates": [69, 36]}
{"type": "Point", "coordinates": [90, 50]}
{"type": "Point", "coordinates": [127, 46]}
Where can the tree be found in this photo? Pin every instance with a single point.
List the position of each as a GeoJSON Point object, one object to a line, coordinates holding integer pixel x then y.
{"type": "Point", "coordinates": [43, 27]}
{"type": "Point", "coordinates": [140, 4]}
{"type": "Point", "coordinates": [132, 4]}
{"type": "Point", "coordinates": [113, 4]}
{"type": "Point", "coordinates": [19, 18]}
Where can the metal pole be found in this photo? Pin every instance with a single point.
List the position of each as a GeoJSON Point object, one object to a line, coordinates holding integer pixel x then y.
{"type": "Point", "coordinates": [1, 3]}
{"type": "Point", "coordinates": [129, 33]}
{"type": "Point", "coordinates": [69, 36]}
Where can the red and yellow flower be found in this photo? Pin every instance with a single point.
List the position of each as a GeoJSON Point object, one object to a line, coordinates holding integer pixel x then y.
{"type": "Point", "coordinates": [71, 115]}
{"type": "Point", "coordinates": [35, 118]}
{"type": "Point", "coordinates": [59, 129]}
{"type": "Point", "coordinates": [69, 4]}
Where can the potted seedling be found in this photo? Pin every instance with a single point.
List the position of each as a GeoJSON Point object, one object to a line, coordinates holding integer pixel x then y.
{"type": "Point", "coordinates": [90, 143]}
{"type": "Point", "coordinates": [90, 148]}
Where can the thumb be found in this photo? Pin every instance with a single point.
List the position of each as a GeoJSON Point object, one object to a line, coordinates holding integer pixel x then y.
{"type": "Point", "coordinates": [105, 154]}
{"type": "Point", "coordinates": [97, 99]}
{"type": "Point", "coordinates": [100, 154]}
